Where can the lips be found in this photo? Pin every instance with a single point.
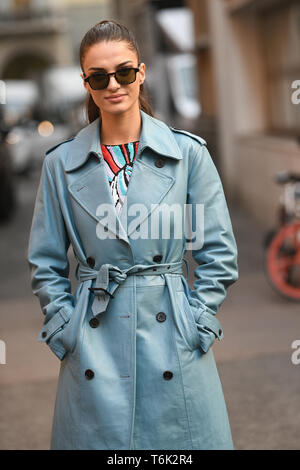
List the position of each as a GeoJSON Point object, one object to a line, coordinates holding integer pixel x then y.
{"type": "Point", "coordinates": [114, 97]}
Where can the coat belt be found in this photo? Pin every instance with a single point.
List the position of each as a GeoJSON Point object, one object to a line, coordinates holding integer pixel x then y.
{"type": "Point", "coordinates": [110, 277]}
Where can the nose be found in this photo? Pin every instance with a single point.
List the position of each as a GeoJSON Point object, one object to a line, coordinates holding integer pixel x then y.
{"type": "Point", "coordinates": [113, 84]}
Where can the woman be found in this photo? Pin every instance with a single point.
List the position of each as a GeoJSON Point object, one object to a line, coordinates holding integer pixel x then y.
{"type": "Point", "coordinates": [134, 340]}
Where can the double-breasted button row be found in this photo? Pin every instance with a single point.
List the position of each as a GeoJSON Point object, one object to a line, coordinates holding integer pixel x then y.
{"type": "Point", "coordinates": [160, 162]}
{"type": "Point", "coordinates": [90, 261]}
{"type": "Point", "coordinates": [89, 374]}
{"type": "Point", "coordinates": [161, 316]}
{"type": "Point", "coordinates": [94, 322]}
{"type": "Point", "coordinates": [168, 375]}
{"type": "Point", "coordinates": [157, 258]}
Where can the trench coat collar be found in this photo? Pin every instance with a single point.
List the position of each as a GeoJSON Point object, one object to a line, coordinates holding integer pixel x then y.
{"type": "Point", "coordinates": [155, 134]}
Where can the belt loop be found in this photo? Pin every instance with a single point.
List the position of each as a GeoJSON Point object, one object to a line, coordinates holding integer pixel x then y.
{"type": "Point", "coordinates": [187, 267]}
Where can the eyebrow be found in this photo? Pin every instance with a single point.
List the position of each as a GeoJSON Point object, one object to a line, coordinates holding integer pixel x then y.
{"type": "Point", "coordinates": [122, 63]}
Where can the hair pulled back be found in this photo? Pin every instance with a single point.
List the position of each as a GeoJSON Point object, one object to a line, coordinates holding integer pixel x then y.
{"type": "Point", "coordinates": [110, 30]}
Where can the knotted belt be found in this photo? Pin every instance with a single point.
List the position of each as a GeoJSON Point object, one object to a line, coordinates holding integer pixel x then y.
{"type": "Point", "coordinates": [110, 277]}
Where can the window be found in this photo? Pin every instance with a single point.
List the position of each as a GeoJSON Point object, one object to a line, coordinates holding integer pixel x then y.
{"type": "Point", "coordinates": [281, 39]}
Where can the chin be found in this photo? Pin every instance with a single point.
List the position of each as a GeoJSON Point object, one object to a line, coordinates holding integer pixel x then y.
{"type": "Point", "coordinates": [117, 108]}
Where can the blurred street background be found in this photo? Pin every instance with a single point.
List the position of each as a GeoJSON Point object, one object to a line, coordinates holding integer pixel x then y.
{"type": "Point", "coordinates": [226, 70]}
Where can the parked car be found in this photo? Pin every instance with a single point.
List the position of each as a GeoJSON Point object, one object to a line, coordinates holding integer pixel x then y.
{"type": "Point", "coordinates": [21, 98]}
{"type": "Point", "coordinates": [39, 115]}
{"type": "Point", "coordinates": [29, 141]}
{"type": "Point", "coordinates": [63, 96]}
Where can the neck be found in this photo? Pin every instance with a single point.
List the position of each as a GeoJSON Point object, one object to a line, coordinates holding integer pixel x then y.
{"type": "Point", "coordinates": [120, 128]}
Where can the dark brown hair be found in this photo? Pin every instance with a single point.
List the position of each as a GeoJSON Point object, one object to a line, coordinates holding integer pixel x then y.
{"type": "Point", "coordinates": [110, 30]}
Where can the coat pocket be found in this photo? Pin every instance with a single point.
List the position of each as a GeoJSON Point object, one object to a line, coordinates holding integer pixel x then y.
{"type": "Point", "coordinates": [73, 331]}
{"type": "Point", "coordinates": [186, 322]}
{"type": "Point", "coordinates": [56, 345]}
{"type": "Point", "coordinates": [63, 331]}
{"type": "Point", "coordinates": [200, 328]}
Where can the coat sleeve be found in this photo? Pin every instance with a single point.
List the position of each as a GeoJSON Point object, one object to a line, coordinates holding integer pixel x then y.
{"type": "Point", "coordinates": [216, 255]}
{"type": "Point", "coordinates": [48, 261]}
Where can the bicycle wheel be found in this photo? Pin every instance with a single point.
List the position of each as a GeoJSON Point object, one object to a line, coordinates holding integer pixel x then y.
{"type": "Point", "coordinates": [283, 261]}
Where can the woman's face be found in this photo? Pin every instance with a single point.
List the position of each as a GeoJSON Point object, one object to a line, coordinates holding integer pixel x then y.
{"type": "Point", "coordinates": [108, 55]}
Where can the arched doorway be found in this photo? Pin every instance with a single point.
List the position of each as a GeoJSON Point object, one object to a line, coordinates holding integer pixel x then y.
{"type": "Point", "coordinates": [25, 66]}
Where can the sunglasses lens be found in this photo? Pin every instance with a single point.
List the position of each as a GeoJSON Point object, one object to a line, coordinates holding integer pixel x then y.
{"type": "Point", "coordinates": [98, 81]}
{"type": "Point", "coordinates": [125, 76]}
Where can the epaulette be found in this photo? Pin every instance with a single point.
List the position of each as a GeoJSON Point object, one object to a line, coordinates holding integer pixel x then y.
{"type": "Point", "coordinates": [57, 145]}
{"type": "Point", "coordinates": [194, 136]}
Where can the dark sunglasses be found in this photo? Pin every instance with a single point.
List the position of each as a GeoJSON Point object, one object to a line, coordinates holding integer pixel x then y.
{"type": "Point", "coordinates": [124, 76]}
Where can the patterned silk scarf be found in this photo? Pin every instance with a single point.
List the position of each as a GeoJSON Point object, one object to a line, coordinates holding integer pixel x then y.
{"type": "Point", "coordinates": [119, 161]}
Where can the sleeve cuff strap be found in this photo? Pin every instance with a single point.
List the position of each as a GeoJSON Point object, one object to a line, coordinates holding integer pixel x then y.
{"type": "Point", "coordinates": [55, 323]}
{"type": "Point", "coordinates": [210, 321]}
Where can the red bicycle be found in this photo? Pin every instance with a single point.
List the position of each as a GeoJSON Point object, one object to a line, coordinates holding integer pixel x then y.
{"type": "Point", "coordinates": [282, 256]}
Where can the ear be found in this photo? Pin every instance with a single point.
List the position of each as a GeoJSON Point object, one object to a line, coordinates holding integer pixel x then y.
{"type": "Point", "coordinates": [142, 73]}
{"type": "Point", "coordinates": [85, 84]}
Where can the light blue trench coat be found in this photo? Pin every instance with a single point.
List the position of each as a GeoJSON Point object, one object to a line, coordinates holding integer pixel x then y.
{"type": "Point", "coordinates": [137, 369]}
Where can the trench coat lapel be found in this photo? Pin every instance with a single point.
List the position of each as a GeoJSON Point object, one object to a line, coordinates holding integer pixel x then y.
{"type": "Point", "coordinates": [148, 185]}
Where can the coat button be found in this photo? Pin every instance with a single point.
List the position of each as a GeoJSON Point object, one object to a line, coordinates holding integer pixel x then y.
{"type": "Point", "coordinates": [161, 316]}
{"type": "Point", "coordinates": [89, 374]}
{"type": "Point", "coordinates": [168, 375]}
{"type": "Point", "coordinates": [44, 334]}
{"type": "Point", "coordinates": [90, 261]}
{"type": "Point", "coordinates": [220, 332]}
{"type": "Point", "coordinates": [159, 162]}
{"type": "Point", "coordinates": [94, 322]}
{"type": "Point", "coordinates": [157, 258]}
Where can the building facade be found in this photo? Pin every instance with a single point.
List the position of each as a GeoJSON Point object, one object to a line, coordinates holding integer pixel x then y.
{"type": "Point", "coordinates": [35, 34]}
{"type": "Point", "coordinates": [255, 62]}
